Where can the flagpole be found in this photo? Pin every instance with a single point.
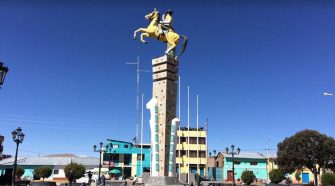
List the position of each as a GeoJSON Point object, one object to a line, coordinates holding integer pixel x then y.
{"type": "Point", "coordinates": [181, 145]}
{"type": "Point", "coordinates": [198, 134]}
{"type": "Point", "coordinates": [188, 134]}
{"type": "Point", "coordinates": [141, 171]}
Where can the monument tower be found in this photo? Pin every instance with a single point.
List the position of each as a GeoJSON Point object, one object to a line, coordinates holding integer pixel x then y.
{"type": "Point", "coordinates": [162, 106]}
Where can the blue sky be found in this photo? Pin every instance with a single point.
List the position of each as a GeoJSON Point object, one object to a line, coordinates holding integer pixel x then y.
{"type": "Point", "coordinates": [259, 67]}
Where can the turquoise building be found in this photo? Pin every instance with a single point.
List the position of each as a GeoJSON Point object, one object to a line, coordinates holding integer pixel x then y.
{"type": "Point", "coordinates": [255, 162]}
{"type": "Point", "coordinates": [55, 162]}
{"type": "Point", "coordinates": [124, 158]}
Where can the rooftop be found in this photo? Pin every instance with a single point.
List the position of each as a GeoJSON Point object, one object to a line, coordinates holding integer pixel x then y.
{"type": "Point", "coordinates": [250, 155]}
{"type": "Point", "coordinates": [45, 160]}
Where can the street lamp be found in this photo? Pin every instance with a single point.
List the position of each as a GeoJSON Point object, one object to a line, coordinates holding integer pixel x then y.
{"type": "Point", "coordinates": [233, 153]}
{"type": "Point", "coordinates": [100, 152]}
{"type": "Point", "coordinates": [18, 137]}
{"type": "Point", "coordinates": [3, 72]}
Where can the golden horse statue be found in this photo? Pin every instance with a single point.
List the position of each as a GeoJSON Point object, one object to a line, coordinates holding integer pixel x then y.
{"type": "Point", "coordinates": [171, 38]}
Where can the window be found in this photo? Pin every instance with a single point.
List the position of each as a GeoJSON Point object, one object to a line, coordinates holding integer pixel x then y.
{"type": "Point", "coordinates": [139, 157]}
{"type": "Point", "coordinates": [253, 163]}
{"type": "Point", "coordinates": [182, 139]}
{"type": "Point", "coordinates": [193, 140]}
{"type": "Point", "coordinates": [237, 162]}
{"type": "Point", "coordinates": [202, 140]}
{"type": "Point", "coordinates": [202, 154]}
{"type": "Point", "coordinates": [127, 159]}
{"type": "Point", "coordinates": [56, 171]}
{"type": "Point", "coordinates": [115, 158]}
{"type": "Point", "coordinates": [126, 146]}
{"type": "Point", "coordinates": [115, 146]}
{"type": "Point", "coordinates": [193, 154]}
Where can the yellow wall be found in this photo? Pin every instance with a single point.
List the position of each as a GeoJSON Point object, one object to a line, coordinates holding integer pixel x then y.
{"type": "Point", "coordinates": [184, 160]}
{"type": "Point", "coordinates": [191, 133]}
{"type": "Point", "coordinates": [185, 146]}
{"type": "Point", "coordinates": [305, 170]}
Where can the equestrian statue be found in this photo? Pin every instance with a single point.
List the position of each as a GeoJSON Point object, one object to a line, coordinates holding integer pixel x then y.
{"type": "Point", "coordinates": [160, 28]}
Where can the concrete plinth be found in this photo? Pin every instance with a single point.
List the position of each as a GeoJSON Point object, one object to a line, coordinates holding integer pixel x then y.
{"type": "Point", "coordinates": [162, 180]}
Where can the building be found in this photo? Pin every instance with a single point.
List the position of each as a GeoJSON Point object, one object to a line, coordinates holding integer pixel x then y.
{"type": "Point", "coordinates": [55, 162]}
{"type": "Point", "coordinates": [251, 161]}
{"type": "Point", "coordinates": [191, 151]}
{"type": "Point", "coordinates": [124, 158]}
{"type": "Point", "coordinates": [305, 174]}
{"type": "Point", "coordinates": [215, 167]}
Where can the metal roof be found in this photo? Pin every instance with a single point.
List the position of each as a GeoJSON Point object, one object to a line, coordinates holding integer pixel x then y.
{"type": "Point", "coordinates": [50, 161]}
{"type": "Point", "coordinates": [249, 155]}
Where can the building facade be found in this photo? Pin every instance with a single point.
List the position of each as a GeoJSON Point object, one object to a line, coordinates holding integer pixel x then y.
{"type": "Point", "coordinates": [191, 151]}
{"type": "Point", "coordinates": [215, 167]}
{"type": "Point", "coordinates": [57, 165]}
{"type": "Point", "coordinates": [255, 162]}
{"type": "Point", "coordinates": [124, 159]}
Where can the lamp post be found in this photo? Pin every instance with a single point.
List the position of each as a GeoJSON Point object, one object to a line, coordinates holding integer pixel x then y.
{"type": "Point", "coordinates": [100, 165]}
{"type": "Point", "coordinates": [3, 72]}
{"type": "Point", "coordinates": [18, 137]}
{"type": "Point", "coordinates": [233, 153]}
{"type": "Point", "coordinates": [215, 163]}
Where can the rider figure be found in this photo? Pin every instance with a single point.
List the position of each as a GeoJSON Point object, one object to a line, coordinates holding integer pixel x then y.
{"type": "Point", "coordinates": [166, 23]}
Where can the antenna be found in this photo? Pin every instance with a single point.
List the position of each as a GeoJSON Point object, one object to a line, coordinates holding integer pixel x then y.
{"type": "Point", "coordinates": [138, 70]}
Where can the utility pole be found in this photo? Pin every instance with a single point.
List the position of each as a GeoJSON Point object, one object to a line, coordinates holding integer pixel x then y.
{"type": "Point", "coordinates": [268, 159]}
{"type": "Point", "coordinates": [138, 70]}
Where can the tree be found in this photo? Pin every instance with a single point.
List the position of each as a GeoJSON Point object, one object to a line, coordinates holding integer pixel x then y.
{"type": "Point", "coordinates": [298, 175]}
{"type": "Point", "coordinates": [35, 174]}
{"type": "Point", "coordinates": [307, 148]}
{"type": "Point", "coordinates": [19, 172]}
{"type": "Point", "coordinates": [248, 177]}
{"type": "Point", "coordinates": [276, 176]}
{"type": "Point", "coordinates": [74, 171]}
{"type": "Point", "coordinates": [42, 172]}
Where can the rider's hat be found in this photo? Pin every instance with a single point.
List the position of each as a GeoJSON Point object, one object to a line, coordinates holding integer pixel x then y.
{"type": "Point", "coordinates": [169, 11]}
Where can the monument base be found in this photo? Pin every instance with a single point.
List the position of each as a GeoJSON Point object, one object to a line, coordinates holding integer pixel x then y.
{"type": "Point", "coordinates": [162, 180]}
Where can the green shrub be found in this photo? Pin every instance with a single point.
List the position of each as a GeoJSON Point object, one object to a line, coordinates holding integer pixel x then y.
{"type": "Point", "coordinates": [74, 171]}
{"type": "Point", "coordinates": [19, 171]}
{"type": "Point", "coordinates": [276, 176]}
{"type": "Point", "coordinates": [248, 177]}
{"type": "Point", "coordinates": [42, 172]}
{"type": "Point", "coordinates": [328, 179]}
